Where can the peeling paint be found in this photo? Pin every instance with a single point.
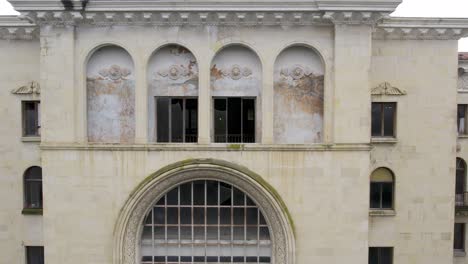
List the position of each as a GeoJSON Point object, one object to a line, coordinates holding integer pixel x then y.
{"type": "Point", "coordinates": [111, 96]}
{"type": "Point", "coordinates": [172, 71]}
{"type": "Point", "coordinates": [298, 99]}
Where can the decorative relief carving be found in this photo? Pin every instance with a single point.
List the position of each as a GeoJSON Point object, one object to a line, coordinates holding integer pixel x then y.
{"type": "Point", "coordinates": [296, 72]}
{"type": "Point", "coordinates": [115, 73]}
{"type": "Point", "coordinates": [236, 72]}
{"type": "Point", "coordinates": [31, 88]}
{"type": "Point", "coordinates": [387, 89]}
{"type": "Point", "coordinates": [175, 72]}
{"type": "Point", "coordinates": [132, 216]}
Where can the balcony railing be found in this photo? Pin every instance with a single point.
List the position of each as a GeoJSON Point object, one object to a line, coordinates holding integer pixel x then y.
{"type": "Point", "coordinates": [461, 200]}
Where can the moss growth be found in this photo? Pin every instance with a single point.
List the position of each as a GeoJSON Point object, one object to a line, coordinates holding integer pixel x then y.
{"type": "Point", "coordinates": [181, 164]}
{"type": "Point", "coordinates": [235, 146]}
{"type": "Point", "coordinates": [32, 211]}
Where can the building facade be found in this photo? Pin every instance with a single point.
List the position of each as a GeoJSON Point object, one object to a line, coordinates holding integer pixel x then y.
{"type": "Point", "coordinates": [283, 132]}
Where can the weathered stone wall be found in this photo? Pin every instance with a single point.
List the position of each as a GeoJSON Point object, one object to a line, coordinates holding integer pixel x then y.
{"type": "Point", "coordinates": [19, 63]}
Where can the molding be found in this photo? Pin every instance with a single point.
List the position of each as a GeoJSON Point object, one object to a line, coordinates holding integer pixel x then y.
{"type": "Point", "coordinates": [31, 139]}
{"type": "Point", "coordinates": [382, 212]}
{"type": "Point", "coordinates": [31, 88]}
{"type": "Point", "coordinates": [386, 88]}
{"type": "Point", "coordinates": [202, 147]}
{"type": "Point", "coordinates": [422, 28]}
{"type": "Point", "coordinates": [129, 225]}
{"type": "Point", "coordinates": [12, 27]}
{"type": "Point", "coordinates": [384, 140]}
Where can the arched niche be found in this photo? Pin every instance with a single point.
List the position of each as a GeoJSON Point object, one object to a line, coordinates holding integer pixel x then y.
{"type": "Point", "coordinates": [131, 221]}
{"type": "Point", "coordinates": [298, 96]}
{"type": "Point", "coordinates": [236, 73]}
{"type": "Point", "coordinates": [172, 76]}
{"type": "Point", "coordinates": [110, 86]}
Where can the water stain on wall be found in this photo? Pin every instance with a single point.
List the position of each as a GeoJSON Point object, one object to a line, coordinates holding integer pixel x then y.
{"type": "Point", "coordinates": [299, 92]}
{"type": "Point", "coordinates": [110, 98]}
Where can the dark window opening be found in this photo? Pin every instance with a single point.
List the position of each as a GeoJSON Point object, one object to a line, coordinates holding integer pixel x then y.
{"type": "Point", "coordinates": [34, 255]}
{"type": "Point", "coordinates": [33, 188]}
{"type": "Point", "coordinates": [381, 195]}
{"type": "Point", "coordinates": [461, 119]}
{"type": "Point", "coordinates": [234, 120]}
{"type": "Point", "coordinates": [459, 237]}
{"type": "Point", "coordinates": [460, 183]}
{"type": "Point", "coordinates": [31, 122]}
{"type": "Point", "coordinates": [176, 119]}
{"type": "Point", "coordinates": [383, 119]}
{"type": "Point", "coordinates": [380, 255]}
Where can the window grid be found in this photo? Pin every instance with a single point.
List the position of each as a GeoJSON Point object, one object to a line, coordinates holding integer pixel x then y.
{"type": "Point", "coordinates": [185, 137]}
{"type": "Point", "coordinates": [227, 136]}
{"type": "Point", "coordinates": [254, 239]}
{"type": "Point", "coordinates": [33, 188]}
{"type": "Point", "coordinates": [383, 119]}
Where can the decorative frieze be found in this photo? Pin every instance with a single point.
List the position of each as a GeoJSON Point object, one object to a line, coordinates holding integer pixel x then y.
{"type": "Point", "coordinates": [11, 27]}
{"type": "Point", "coordinates": [387, 89]}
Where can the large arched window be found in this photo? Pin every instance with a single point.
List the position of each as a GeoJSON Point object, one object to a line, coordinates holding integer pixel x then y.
{"type": "Point", "coordinates": [460, 182]}
{"type": "Point", "coordinates": [205, 221]}
{"type": "Point", "coordinates": [382, 189]}
{"type": "Point", "coordinates": [33, 188]}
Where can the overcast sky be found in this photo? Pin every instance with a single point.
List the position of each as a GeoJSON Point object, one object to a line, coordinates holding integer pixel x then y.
{"type": "Point", "coordinates": [409, 8]}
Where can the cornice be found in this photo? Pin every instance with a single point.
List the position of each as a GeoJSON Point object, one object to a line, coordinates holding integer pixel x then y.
{"type": "Point", "coordinates": [11, 27]}
{"type": "Point", "coordinates": [422, 28]}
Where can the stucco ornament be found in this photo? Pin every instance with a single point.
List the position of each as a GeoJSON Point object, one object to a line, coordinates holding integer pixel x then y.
{"type": "Point", "coordinates": [31, 88]}
{"type": "Point", "coordinates": [115, 73]}
{"type": "Point", "coordinates": [387, 89]}
{"type": "Point", "coordinates": [236, 72]}
{"type": "Point", "coordinates": [174, 72]}
{"type": "Point", "coordinates": [296, 72]}
{"type": "Point", "coordinates": [129, 225]}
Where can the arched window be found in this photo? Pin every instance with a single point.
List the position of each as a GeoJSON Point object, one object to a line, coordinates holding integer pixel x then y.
{"type": "Point", "coordinates": [382, 189]}
{"type": "Point", "coordinates": [205, 221]}
{"type": "Point", "coordinates": [460, 182]}
{"type": "Point", "coordinates": [33, 188]}
{"type": "Point", "coordinates": [298, 96]}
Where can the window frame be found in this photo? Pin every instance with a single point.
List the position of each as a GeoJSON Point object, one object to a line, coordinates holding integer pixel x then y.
{"type": "Point", "coordinates": [379, 254]}
{"type": "Point", "coordinates": [27, 254]}
{"type": "Point", "coordinates": [465, 122]}
{"type": "Point", "coordinates": [37, 104]}
{"type": "Point", "coordinates": [462, 240]}
{"type": "Point", "coordinates": [392, 207]}
{"type": "Point", "coordinates": [382, 120]}
{"type": "Point", "coordinates": [254, 98]}
{"type": "Point", "coordinates": [27, 200]}
{"type": "Point", "coordinates": [170, 98]}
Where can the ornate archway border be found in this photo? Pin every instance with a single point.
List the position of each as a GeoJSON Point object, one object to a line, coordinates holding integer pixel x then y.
{"type": "Point", "coordinates": [128, 228]}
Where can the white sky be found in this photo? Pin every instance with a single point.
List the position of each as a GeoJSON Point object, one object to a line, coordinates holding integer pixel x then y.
{"type": "Point", "coordinates": [409, 8]}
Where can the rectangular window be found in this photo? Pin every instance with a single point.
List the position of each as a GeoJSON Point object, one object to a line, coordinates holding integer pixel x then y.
{"type": "Point", "coordinates": [234, 120]}
{"type": "Point", "coordinates": [459, 237]}
{"type": "Point", "coordinates": [461, 119]}
{"type": "Point", "coordinates": [34, 255]}
{"type": "Point", "coordinates": [31, 122]}
{"type": "Point", "coordinates": [176, 119]}
{"type": "Point", "coordinates": [383, 119]}
{"type": "Point", "coordinates": [381, 195]}
{"type": "Point", "coordinates": [380, 255]}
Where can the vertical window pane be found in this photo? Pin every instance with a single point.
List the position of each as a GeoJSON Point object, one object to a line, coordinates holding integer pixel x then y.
{"type": "Point", "coordinates": [387, 195]}
{"type": "Point", "coordinates": [191, 120]}
{"type": "Point", "coordinates": [375, 195]}
{"type": "Point", "coordinates": [389, 119]}
{"type": "Point", "coordinates": [373, 255]}
{"type": "Point", "coordinates": [461, 119]}
{"type": "Point", "coordinates": [212, 192]}
{"type": "Point", "coordinates": [177, 120]}
{"type": "Point", "coordinates": [376, 119]}
{"type": "Point", "coordinates": [386, 255]}
{"type": "Point", "coordinates": [220, 118]}
{"type": "Point", "coordinates": [35, 255]}
{"type": "Point", "coordinates": [162, 119]}
{"type": "Point", "coordinates": [199, 192]}
{"type": "Point", "coordinates": [459, 236]}
{"type": "Point", "coordinates": [31, 118]}
{"type": "Point", "coordinates": [33, 187]}
{"type": "Point", "coordinates": [186, 194]}
{"type": "Point", "coordinates": [224, 194]}
{"type": "Point", "coordinates": [248, 120]}
{"type": "Point", "coordinates": [234, 120]}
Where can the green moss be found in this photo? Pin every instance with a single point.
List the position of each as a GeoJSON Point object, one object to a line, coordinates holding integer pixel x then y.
{"type": "Point", "coordinates": [181, 164]}
{"type": "Point", "coordinates": [235, 146]}
{"type": "Point", "coordinates": [32, 211]}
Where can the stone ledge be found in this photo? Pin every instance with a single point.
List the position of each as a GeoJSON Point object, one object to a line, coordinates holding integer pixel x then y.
{"type": "Point", "coordinates": [382, 212]}
{"type": "Point", "coordinates": [459, 253]}
{"type": "Point", "coordinates": [32, 211]}
{"type": "Point", "coordinates": [384, 140]}
{"type": "Point", "coordinates": [206, 147]}
{"type": "Point", "coordinates": [31, 139]}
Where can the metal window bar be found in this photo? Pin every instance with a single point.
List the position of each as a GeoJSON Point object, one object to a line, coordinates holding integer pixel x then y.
{"type": "Point", "coordinates": [250, 246]}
